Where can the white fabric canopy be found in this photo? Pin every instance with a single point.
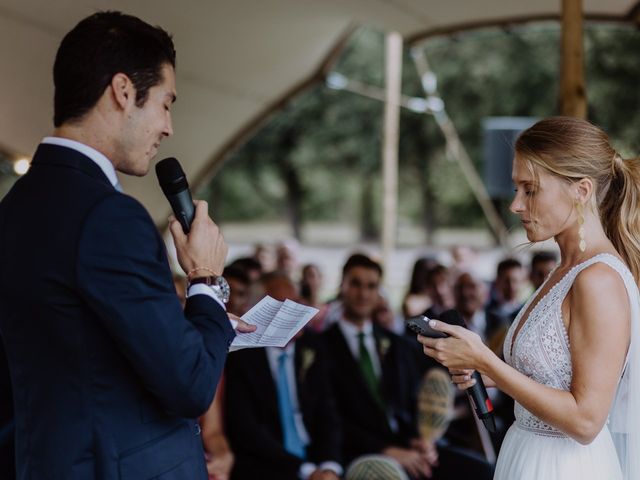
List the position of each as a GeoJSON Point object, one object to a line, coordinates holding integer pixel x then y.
{"type": "Point", "coordinates": [237, 59]}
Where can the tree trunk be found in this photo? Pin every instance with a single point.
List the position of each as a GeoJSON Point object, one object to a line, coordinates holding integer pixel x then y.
{"type": "Point", "coordinates": [291, 178]}
{"type": "Point", "coordinates": [428, 209]}
{"type": "Point", "coordinates": [368, 228]}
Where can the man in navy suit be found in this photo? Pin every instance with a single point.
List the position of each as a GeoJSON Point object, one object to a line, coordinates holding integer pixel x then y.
{"type": "Point", "coordinates": [281, 417]}
{"type": "Point", "coordinates": [108, 372]}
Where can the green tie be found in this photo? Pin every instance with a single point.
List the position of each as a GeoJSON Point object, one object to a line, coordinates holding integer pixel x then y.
{"type": "Point", "coordinates": [366, 366]}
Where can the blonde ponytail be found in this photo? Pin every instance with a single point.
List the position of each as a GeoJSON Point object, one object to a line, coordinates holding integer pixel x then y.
{"type": "Point", "coordinates": [572, 148]}
{"type": "Point", "coordinates": [620, 212]}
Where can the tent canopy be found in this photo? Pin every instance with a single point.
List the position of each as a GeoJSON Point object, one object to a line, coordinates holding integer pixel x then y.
{"type": "Point", "coordinates": [238, 60]}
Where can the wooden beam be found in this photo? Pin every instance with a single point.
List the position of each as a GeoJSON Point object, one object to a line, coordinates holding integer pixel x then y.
{"type": "Point", "coordinates": [393, 84]}
{"type": "Point", "coordinates": [573, 97]}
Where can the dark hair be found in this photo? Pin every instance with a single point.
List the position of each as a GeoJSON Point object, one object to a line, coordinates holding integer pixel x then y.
{"type": "Point", "coordinates": [507, 264]}
{"type": "Point", "coordinates": [99, 47]}
{"type": "Point", "coordinates": [420, 273]}
{"type": "Point", "coordinates": [236, 273]}
{"type": "Point", "coordinates": [543, 256]}
{"type": "Point", "coordinates": [360, 260]}
{"type": "Point", "coordinates": [246, 264]}
{"type": "Point", "coordinates": [269, 279]}
{"type": "Point", "coordinates": [305, 288]}
{"type": "Point", "coordinates": [434, 271]}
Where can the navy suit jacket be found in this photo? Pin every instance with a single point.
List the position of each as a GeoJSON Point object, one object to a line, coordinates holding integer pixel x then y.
{"type": "Point", "coordinates": [253, 419]}
{"type": "Point", "coordinates": [366, 426]}
{"type": "Point", "coordinates": [108, 372]}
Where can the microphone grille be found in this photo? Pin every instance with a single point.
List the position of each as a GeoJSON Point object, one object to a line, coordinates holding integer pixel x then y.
{"type": "Point", "coordinates": [171, 176]}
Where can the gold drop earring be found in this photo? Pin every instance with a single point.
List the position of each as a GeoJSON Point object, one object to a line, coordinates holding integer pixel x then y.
{"type": "Point", "coordinates": [583, 242]}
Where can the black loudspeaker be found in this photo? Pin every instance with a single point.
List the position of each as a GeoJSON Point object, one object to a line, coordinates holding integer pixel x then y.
{"type": "Point", "coordinates": [500, 134]}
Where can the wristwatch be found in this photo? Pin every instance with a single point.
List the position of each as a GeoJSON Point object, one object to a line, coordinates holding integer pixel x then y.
{"type": "Point", "coordinates": [218, 285]}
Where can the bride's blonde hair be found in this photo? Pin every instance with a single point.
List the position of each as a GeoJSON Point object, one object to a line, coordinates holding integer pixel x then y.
{"type": "Point", "coordinates": [573, 149]}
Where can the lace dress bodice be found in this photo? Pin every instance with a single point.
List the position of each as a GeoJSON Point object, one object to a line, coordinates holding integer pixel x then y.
{"type": "Point", "coordinates": [541, 348]}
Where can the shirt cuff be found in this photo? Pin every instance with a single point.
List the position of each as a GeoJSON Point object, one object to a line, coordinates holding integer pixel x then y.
{"type": "Point", "coordinates": [306, 469]}
{"type": "Point", "coordinates": [202, 289]}
{"type": "Point", "coordinates": [335, 467]}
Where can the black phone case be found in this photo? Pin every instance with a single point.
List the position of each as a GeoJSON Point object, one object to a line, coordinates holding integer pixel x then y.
{"type": "Point", "coordinates": [421, 326]}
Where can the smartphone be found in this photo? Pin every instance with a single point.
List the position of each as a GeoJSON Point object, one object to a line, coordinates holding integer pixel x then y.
{"type": "Point", "coordinates": [420, 325]}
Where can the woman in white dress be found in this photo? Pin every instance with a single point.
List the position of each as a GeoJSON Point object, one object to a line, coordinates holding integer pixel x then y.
{"type": "Point", "coordinates": [572, 363]}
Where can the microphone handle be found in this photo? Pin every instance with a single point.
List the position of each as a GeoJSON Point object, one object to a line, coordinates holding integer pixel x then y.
{"type": "Point", "coordinates": [481, 402]}
{"type": "Point", "coordinates": [183, 208]}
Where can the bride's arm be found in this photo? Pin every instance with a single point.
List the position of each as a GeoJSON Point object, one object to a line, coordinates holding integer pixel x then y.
{"type": "Point", "coordinates": [599, 330]}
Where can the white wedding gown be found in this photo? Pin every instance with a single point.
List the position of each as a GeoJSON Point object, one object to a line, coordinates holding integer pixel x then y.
{"type": "Point", "coordinates": [533, 450]}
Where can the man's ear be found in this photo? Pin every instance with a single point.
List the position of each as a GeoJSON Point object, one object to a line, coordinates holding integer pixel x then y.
{"type": "Point", "coordinates": [122, 90]}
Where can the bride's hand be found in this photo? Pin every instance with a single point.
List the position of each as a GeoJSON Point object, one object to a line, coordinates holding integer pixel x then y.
{"type": "Point", "coordinates": [462, 350]}
{"type": "Point", "coordinates": [462, 379]}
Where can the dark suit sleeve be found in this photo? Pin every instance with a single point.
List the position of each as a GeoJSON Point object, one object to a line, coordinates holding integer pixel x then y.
{"type": "Point", "coordinates": [324, 421]}
{"type": "Point", "coordinates": [7, 448]}
{"type": "Point", "coordinates": [123, 275]}
{"type": "Point", "coordinates": [248, 431]}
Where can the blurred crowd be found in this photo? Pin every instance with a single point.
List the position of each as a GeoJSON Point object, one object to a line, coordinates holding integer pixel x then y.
{"type": "Point", "coordinates": [354, 388]}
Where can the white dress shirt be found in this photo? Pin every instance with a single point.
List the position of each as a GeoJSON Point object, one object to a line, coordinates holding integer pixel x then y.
{"type": "Point", "coordinates": [351, 332]}
{"type": "Point", "coordinates": [273, 354]}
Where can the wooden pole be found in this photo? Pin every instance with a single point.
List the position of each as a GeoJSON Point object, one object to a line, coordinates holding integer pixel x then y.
{"type": "Point", "coordinates": [393, 76]}
{"type": "Point", "coordinates": [458, 153]}
{"type": "Point", "coordinates": [573, 98]}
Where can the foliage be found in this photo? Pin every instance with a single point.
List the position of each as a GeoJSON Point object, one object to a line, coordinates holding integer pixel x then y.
{"type": "Point", "coordinates": [329, 142]}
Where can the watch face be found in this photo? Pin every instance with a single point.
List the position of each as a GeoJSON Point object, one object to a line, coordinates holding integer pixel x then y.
{"type": "Point", "coordinates": [222, 283]}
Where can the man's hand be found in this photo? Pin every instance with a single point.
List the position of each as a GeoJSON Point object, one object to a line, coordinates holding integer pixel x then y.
{"type": "Point", "coordinates": [324, 475]}
{"type": "Point", "coordinates": [243, 327]}
{"type": "Point", "coordinates": [411, 460]}
{"type": "Point", "coordinates": [427, 449]}
{"type": "Point", "coordinates": [203, 248]}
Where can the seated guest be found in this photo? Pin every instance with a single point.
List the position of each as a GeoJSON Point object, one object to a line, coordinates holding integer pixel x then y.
{"type": "Point", "coordinates": [506, 301]}
{"type": "Point", "coordinates": [470, 296]}
{"type": "Point", "coordinates": [541, 265]}
{"type": "Point", "coordinates": [375, 377]}
{"type": "Point", "coordinates": [251, 266]}
{"type": "Point", "coordinates": [417, 300]}
{"type": "Point", "coordinates": [384, 317]}
{"type": "Point", "coordinates": [239, 286]}
{"type": "Point", "coordinates": [281, 418]}
{"type": "Point", "coordinates": [287, 258]}
{"type": "Point", "coordinates": [439, 289]}
{"type": "Point", "coordinates": [253, 270]}
{"type": "Point", "coordinates": [310, 287]}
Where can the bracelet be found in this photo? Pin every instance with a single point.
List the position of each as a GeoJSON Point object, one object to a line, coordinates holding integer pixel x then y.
{"type": "Point", "coordinates": [191, 272]}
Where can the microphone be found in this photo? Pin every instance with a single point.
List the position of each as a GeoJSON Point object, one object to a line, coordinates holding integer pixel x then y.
{"type": "Point", "coordinates": [478, 397]}
{"type": "Point", "coordinates": [173, 182]}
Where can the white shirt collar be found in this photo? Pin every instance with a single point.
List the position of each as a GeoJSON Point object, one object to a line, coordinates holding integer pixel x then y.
{"type": "Point", "coordinates": [98, 158]}
{"type": "Point", "coordinates": [351, 331]}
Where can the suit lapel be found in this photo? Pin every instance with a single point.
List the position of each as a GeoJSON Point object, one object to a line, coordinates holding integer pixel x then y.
{"type": "Point", "coordinates": [350, 368]}
{"type": "Point", "coordinates": [387, 364]}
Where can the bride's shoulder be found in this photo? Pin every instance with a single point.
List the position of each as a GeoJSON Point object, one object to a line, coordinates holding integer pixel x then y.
{"type": "Point", "coordinates": [600, 287]}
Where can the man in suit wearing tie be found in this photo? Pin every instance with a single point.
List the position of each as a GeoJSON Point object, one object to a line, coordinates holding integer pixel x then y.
{"type": "Point", "coordinates": [375, 375]}
{"type": "Point", "coordinates": [108, 372]}
{"type": "Point", "coordinates": [281, 418]}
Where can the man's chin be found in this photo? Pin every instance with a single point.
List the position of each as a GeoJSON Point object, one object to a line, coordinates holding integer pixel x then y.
{"type": "Point", "coordinates": [136, 170]}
